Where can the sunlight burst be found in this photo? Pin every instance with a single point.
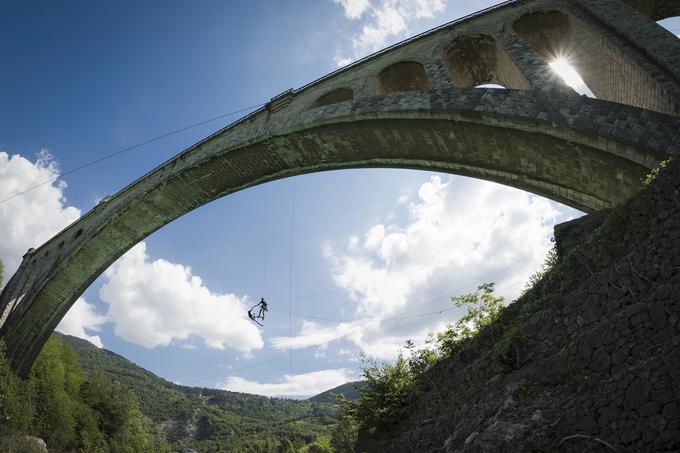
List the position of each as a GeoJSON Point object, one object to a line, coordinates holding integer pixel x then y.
{"type": "Point", "coordinates": [572, 78]}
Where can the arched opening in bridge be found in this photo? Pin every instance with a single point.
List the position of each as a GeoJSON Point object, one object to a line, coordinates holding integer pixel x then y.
{"type": "Point", "coordinates": [672, 24]}
{"type": "Point", "coordinates": [570, 76]}
{"type": "Point", "coordinates": [476, 60]}
{"type": "Point", "coordinates": [656, 10]}
{"type": "Point", "coordinates": [494, 86]}
{"type": "Point", "coordinates": [403, 76]}
{"type": "Point", "coordinates": [562, 39]}
{"type": "Point", "coordinates": [335, 96]}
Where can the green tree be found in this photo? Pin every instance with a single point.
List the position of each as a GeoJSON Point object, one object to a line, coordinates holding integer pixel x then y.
{"type": "Point", "coordinates": [134, 435]}
{"type": "Point", "coordinates": [344, 435]}
{"type": "Point", "coordinates": [548, 263]}
{"type": "Point", "coordinates": [111, 411]}
{"type": "Point", "coordinates": [321, 445]}
{"type": "Point", "coordinates": [391, 387]}
{"type": "Point", "coordinates": [285, 446]}
{"type": "Point", "coordinates": [15, 408]}
{"type": "Point", "coordinates": [383, 400]}
{"type": "Point", "coordinates": [481, 308]}
{"type": "Point", "coordinates": [49, 384]}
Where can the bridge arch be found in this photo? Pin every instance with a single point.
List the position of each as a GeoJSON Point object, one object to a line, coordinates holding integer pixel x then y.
{"type": "Point", "coordinates": [607, 71]}
{"type": "Point", "coordinates": [403, 76]}
{"type": "Point", "coordinates": [452, 131]}
{"type": "Point", "coordinates": [475, 60]}
{"type": "Point", "coordinates": [335, 96]}
{"type": "Point", "coordinates": [403, 112]}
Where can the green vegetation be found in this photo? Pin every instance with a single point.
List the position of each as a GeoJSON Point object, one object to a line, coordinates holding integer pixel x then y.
{"type": "Point", "coordinates": [548, 263]}
{"type": "Point", "coordinates": [211, 420]}
{"type": "Point", "coordinates": [391, 388]}
{"type": "Point", "coordinates": [99, 410]}
{"type": "Point", "coordinates": [344, 435]}
{"type": "Point", "coordinates": [655, 172]}
{"type": "Point", "coordinates": [349, 391]}
{"type": "Point", "coordinates": [70, 410]}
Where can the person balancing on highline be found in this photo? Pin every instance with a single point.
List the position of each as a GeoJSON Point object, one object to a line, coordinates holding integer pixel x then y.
{"type": "Point", "coordinates": [260, 314]}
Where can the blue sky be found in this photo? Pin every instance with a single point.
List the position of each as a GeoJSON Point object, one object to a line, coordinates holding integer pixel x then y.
{"type": "Point", "coordinates": [374, 251]}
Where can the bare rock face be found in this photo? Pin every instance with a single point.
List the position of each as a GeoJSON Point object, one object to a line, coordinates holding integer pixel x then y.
{"type": "Point", "coordinates": [594, 362]}
{"type": "Point", "coordinates": [35, 444]}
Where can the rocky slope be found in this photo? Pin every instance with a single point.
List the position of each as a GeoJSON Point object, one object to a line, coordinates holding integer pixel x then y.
{"type": "Point", "coordinates": [588, 360]}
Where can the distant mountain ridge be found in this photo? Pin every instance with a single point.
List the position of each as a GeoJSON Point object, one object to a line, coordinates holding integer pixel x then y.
{"type": "Point", "coordinates": [201, 418]}
{"type": "Point", "coordinates": [349, 390]}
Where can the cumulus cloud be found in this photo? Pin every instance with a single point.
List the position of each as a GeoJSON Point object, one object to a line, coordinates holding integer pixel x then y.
{"type": "Point", "coordinates": [155, 303]}
{"type": "Point", "coordinates": [459, 233]}
{"type": "Point", "coordinates": [82, 317]}
{"type": "Point", "coordinates": [297, 385]}
{"type": "Point", "coordinates": [32, 218]}
{"type": "Point", "coordinates": [313, 334]}
{"type": "Point", "coordinates": [354, 9]}
{"type": "Point", "coordinates": [387, 19]}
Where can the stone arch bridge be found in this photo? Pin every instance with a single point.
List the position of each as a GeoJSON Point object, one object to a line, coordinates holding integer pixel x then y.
{"type": "Point", "coordinates": [412, 105]}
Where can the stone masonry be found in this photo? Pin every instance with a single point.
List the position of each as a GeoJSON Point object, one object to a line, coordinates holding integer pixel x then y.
{"type": "Point", "coordinates": [412, 105]}
{"type": "Point", "coordinates": [588, 360]}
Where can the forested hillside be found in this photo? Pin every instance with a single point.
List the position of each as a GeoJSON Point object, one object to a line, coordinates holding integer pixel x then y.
{"type": "Point", "coordinates": [210, 420]}
{"type": "Point", "coordinates": [350, 391]}
{"type": "Point", "coordinates": [70, 410]}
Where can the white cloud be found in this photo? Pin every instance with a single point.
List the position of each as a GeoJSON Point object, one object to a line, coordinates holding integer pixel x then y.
{"type": "Point", "coordinates": [32, 218]}
{"type": "Point", "coordinates": [459, 233]}
{"type": "Point", "coordinates": [354, 9]}
{"type": "Point", "coordinates": [297, 385]}
{"type": "Point", "coordinates": [340, 61]}
{"type": "Point", "coordinates": [154, 303]}
{"type": "Point", "coordinates": [313, 334]}
{"type": "Point", "coordinates": [388, 19]}
{"type": "Point", "coordinates": [81, 317]}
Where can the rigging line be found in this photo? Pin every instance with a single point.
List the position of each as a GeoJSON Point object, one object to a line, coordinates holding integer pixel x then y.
{"type": "Point", "coordinates": [236, 370]}
{"type": "Point", "coordinates": [290, 285]}
{"type": "Point", "coordinates": [304, 349]}
{"type": "Point", "coordinates": [419, 315]}
{"type": "Point", "coordinates": [310, 295]}
{"type": "Point", "coordinates": [265, 245]}
{"type": "Point", "coordinates": [334, 290]}
{"type": "Point", "coordinates": [430, 301]}
{"type": "Point", "coordinates": [129, 148]}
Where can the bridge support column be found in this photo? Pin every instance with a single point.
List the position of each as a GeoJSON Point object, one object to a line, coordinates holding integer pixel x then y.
{"type": "Point", "coordinates": [655, 49]}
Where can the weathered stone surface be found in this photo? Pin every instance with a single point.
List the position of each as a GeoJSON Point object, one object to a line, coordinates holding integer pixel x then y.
{"type": "Point", "coordinates": [614, 380]}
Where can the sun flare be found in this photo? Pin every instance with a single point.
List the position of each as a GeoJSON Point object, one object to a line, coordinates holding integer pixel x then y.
{"type": "Point", "coordinates": [572, 78]}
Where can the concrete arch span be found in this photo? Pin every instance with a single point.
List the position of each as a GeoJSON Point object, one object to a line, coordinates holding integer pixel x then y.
{"type": "Point", "coordinates": [578, 155]}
